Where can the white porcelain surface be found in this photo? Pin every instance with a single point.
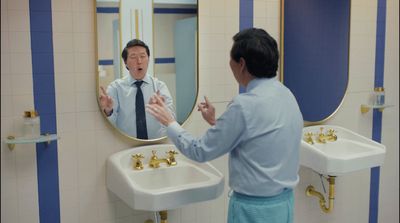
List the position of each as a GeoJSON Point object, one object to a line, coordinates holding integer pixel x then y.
{"type": "Point", "coordinates": [350, 152]}
{"type": "Point", "coordinates": [164, 188]}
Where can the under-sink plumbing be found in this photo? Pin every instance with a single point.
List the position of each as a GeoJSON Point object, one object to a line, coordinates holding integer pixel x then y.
{"type": "Point", "coordinates": [310, 191]}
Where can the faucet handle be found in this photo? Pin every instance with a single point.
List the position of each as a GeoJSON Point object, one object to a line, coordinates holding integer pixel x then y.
{"type": "Point", "coordinates": [331, 134]}
{"type": "Point", "coordinates": [138, 165]}
{"type": "Point", "coordinates": [137, 156]}
{"type": "Point", "coordinates": [308, 134]}
{"type": "Point", "coordinates": [154, 153]}
{"type": "Point", "coordinates": [308, 137]}
{"type": "Point", "coordinates": [172, 152]}
{"type": "Point", "coordinates": [171, 157]}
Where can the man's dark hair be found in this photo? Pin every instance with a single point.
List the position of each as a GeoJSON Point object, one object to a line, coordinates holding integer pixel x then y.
{"type": "Point", "coordinates": [258, 49]}
{"type": "Point", "coordinates": [132, 43]}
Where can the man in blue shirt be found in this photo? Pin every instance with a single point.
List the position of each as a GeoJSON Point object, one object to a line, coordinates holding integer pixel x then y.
{"type": "Point", "coordinates": [261, 130]}
{"type": "Point", "coordinates": [119, 103]}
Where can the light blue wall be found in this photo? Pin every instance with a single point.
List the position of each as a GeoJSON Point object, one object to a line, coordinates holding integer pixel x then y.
{"type": "Point", "coordinates": [185, 66]}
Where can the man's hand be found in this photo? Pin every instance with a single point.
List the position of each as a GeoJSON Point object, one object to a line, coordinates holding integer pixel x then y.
{"type": "Point", "coordinates": [207, 111]}
{"type": "Point", "coordinates": [159, 110]}
{"type": "Point", "coordinates": [153, 99]}
{"type": "Point", "coordinates": [106, 102]}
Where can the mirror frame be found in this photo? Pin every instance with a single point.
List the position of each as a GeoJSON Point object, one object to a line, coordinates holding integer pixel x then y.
{"type": "Point", "coordinates": [113, 127]}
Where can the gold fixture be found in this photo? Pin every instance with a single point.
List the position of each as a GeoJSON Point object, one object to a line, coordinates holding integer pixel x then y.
{"type": "Point", "coordinates": [330, 135]}
{"type": "Point", "coordinates": [137, 164]}
{"type": "Point", "coordinates": [321, 137]}
{"type": "Point", "coordinates": [365, 108]}
{"type": "Point", "coordinates": [11, 146]}
{"type": "Point", "coordinates": [170, 160]}
{"type": "Point", "coordinates": [310, 191]}
{"type": "Point", "coordinates": [163, 216]}
{"type": "Point", "coordinates": [308, 138]}
{"type": "Point", "coordinates": [171, 157]}
{"type": "Point", "coordinates": [31, 114]}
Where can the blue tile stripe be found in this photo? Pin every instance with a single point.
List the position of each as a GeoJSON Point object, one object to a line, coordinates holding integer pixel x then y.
{"type": "Point", "coordinates": [106, 62]}
{"type": "Point", "coordinates": [246, 15]}
{"type": "Point", "coordinates": [164, 60]}
{"type": "Point", "coordinates": [107, 10]}
{"type": "Point", "coordinates": [155, 10]}
{"type": "Point", "coordinates": [44, 101]}
{"type": "Point", "coordinates": [175, 10]}
{"type": "Point", "coordinates": [377, 116]}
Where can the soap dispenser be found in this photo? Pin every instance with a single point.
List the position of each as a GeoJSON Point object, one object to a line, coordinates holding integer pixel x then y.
{"type": "Point", "coordinates": [31, 124]}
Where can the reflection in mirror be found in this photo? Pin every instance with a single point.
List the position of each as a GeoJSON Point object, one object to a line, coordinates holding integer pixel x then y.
{"type": "Point", "coordinates": [169, 28]}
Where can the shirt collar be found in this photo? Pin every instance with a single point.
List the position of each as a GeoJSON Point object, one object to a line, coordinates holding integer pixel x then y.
{"type": "Point", "coordinates": [131, 80]}
{"type": "Point", "coordinates": [257, 81]}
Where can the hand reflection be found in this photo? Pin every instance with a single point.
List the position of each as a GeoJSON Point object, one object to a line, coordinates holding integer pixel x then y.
{"type": "Point", "coordinates": [159, 110]}
{"type": "Point", "coordinates": [106, 102]}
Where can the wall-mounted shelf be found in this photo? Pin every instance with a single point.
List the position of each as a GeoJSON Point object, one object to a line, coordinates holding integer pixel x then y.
{"type": "Point", "coordinates": [11, 140]}
{"type": "Point", "coordinates": [366, 108]}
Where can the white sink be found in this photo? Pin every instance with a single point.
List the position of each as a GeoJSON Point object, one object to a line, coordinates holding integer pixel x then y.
{"type": "Point", "coordinates": [350, 152]}
{"type": "Point", "coordinates": [163, 188]}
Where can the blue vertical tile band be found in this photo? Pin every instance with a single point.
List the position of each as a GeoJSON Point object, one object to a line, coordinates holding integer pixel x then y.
{"type": "Point", "coordinates": [44, 101]}
{"type": "Point", "coordinates": [377, 116]}
{"type": "Point", "coordinates": [246, 15]}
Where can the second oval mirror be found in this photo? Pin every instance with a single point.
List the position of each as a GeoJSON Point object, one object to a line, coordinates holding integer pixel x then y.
{"type": "Point", "coordinates": [169, 29]}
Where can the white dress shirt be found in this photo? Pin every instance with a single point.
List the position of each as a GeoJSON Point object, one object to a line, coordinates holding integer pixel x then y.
{"type": "Point", "coordinates": [123, 93]}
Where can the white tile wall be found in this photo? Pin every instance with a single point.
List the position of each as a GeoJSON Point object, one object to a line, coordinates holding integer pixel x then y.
{"type": "Point", "coordinates": [87, 140]}
{"type": "Point", "coordinates": [19, 188]}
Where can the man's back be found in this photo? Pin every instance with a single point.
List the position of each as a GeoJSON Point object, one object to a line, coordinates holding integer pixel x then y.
{"type": "Point", "coordinates": [268, 155]}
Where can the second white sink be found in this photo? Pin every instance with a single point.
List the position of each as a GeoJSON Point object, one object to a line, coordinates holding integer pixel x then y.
{"type": "Point", "coordinates": [350, 152]}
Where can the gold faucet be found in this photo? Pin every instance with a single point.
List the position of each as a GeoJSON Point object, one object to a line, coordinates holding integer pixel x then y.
{"type": "Point", "coordinates": [170, 160]}
{"type": "Point", "coordinates": [329, 136]}
{"type": "Point", "coordinates": [137, 164]}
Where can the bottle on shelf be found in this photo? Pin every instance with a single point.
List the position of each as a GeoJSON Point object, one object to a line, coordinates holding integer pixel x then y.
{"type": "Point", "coordinates": [31, 124]}
{"type": "Point", "coordinates": [379, 96]}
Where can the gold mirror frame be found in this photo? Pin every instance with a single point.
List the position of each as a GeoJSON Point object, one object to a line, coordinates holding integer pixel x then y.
{"type": "Point", "coordinates": [135, 140]}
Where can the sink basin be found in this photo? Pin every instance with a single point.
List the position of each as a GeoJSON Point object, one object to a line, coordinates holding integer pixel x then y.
{"type": "Point", "coordinates": [350, 152]}
{"type": "Point", "coordinates": [164, 188]}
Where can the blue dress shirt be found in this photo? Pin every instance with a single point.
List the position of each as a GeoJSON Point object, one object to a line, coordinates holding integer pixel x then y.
{"type": "Point", "coordinates": [261, 130]}
{"type": "Point", "coordinates": [123, 93]}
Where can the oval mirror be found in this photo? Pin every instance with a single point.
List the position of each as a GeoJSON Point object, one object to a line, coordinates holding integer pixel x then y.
{"type": "Point", "coordinates": [169, 29]}
{"type": "Point", "coordinates": [315, 58]}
